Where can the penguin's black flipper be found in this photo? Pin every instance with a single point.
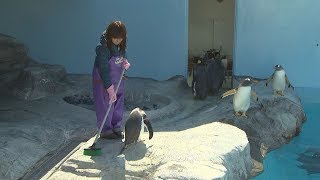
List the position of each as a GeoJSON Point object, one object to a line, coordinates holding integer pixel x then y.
{"type": "Point", "coordinates": [290, 85]}
{"type": "Point", "coordinates": [149, 127]}
{"type": "Point", "coordinates": [269, 79]}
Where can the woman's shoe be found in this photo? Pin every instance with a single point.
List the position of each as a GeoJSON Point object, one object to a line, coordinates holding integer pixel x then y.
{"type": "Point", "coordinates": [108, 136]}
{"type": "Point", "coordinates": [119, 134]}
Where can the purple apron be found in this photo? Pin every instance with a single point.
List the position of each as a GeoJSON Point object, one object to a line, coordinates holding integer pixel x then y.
{"type": "Point", "coordinates": [101, 97]}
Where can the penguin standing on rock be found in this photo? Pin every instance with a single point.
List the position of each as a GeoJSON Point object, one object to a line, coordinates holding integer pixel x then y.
{"type": "Point", "coordinates": [280, 80]}
{"type": "Point", "coordinates": [241, 99]}
{"type": "Point", "coordinates": [134, 127]}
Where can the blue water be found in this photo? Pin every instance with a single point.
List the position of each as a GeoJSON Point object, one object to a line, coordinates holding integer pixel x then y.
{"type": "Point", "coordinates": [283, 163]}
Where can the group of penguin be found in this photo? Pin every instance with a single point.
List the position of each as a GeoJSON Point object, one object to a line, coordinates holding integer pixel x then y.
{"type": "Point", "coordinates": [137, 119]}
{"type": "Point", "coordinates": [243, 93]}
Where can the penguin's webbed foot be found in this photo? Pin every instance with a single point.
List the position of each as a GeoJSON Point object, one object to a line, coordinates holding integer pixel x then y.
{"type": "Point", "coordinates": [275, 93]}
{"type": "Point", "coordinates": [281, 93]}
{"type": "Point", "coordinates": [244, 115]}
{"type": "Point", "coordinates": [237, 113]}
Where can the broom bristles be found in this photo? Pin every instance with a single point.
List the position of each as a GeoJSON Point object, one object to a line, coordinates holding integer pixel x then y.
{"type": "Point", "coordinates": [92, 151]}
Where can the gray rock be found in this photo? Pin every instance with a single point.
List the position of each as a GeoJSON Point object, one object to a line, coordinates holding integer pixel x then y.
{"type": "Point", "coordinates": [13, 58]}
{"type": "Point", "coordinates": [24, 77]}
{"type": "Point", "coordinates": [38, 81]}
{"type": "Point", "coordinates": [31, 132]}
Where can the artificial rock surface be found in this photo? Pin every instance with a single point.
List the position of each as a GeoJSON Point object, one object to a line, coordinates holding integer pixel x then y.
{"type": "Point", "coordinates": [211, 151]}
{"type": "Point", "coordinates": [13, 58]}
{"type": "Point", "coordinates": [190, 136]}
{"type": "Point", "coordinates": [34, 130]}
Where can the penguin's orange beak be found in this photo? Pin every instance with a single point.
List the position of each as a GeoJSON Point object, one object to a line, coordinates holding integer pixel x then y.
{"type": "Point", "coordinates": [255, 81]}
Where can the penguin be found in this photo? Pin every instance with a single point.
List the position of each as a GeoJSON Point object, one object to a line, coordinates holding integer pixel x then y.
{"type": "Point", "coordinates": [199, 81]}
{"type": "Point", "coordinates": [280, 80]}
{"type": "Point", "coordinates": [134, 127]}
{"type": "Point", "coordinates": [242, 94]}
{"type": "Point", "coordinates": [190, 78]}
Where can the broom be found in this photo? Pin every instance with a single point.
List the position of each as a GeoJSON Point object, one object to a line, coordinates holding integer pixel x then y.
{"type": "Point", "coordinates": [93, 150]}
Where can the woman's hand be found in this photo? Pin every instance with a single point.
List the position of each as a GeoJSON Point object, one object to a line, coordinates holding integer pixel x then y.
{"type": "Point", "coordinates": [126, 64]}
{"type": "Point", "coordinates": [112, 94]}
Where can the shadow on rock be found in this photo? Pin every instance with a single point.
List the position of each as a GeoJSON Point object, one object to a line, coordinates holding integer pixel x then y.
{"type": "Point", "coordinates": [135, 151]}
{"type": "Point", "coordinates": [110, 165]}
{"type": "Point", "coordinates": [81, 168]}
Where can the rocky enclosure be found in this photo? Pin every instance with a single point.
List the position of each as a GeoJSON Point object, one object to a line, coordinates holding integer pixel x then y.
{"type": "Point", "coordinates": [191, 136]}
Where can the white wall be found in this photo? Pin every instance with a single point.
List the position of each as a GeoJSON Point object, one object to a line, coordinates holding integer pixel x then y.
{"type": "Point", "coordinates": [211, 24]}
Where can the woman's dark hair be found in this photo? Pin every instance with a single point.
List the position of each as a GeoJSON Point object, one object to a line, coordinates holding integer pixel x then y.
{"type": "Point", "coordinates": [116, 30]}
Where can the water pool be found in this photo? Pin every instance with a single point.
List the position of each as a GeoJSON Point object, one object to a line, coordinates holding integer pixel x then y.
{"type": "Point", "coordinates": [300, 159]}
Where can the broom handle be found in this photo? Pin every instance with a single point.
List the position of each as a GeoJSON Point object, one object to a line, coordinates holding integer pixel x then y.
{"type": "Point", "coordinates": [107, 113]}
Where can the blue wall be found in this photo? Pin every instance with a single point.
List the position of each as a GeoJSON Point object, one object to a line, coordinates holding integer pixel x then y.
{"type": "Point", "coordinates": [66, 32]}
{"type": "Point", "coordinates": [270, 32]}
